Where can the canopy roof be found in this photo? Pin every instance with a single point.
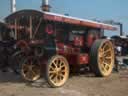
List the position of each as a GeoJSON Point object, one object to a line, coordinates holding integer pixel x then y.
{"type": "Point", "coordinates": [60, 18]}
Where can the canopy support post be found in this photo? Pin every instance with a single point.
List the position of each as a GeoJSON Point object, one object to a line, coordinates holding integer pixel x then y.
{"type": "Point", "coordinates": [30, 27]}
{"type": "Point", "coordinates": [15, 29]}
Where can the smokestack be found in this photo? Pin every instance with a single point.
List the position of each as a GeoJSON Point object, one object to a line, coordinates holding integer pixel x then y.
{"type": "Point", "coordinates": [121, 29]}
{"type": "Point", "coordinates": [45, 5]}
{"type": "Point", "coordinates": [13, 6]}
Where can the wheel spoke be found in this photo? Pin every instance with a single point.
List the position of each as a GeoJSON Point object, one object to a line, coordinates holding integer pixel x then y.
{"type": "Point", "coordinates": [109, 50]}
{"type": "Point", "coordinates": [107, 61]}
{"type": "Point", "coordinates": [63, 66]}
{"type": "Point", "coordinates": [109, 57]}
{"type": "Point", "coordinates": [55, 79]}
{"type": "Point", "coordinates": [35, 72]}
{"type": "Point", "coordinates": [61, 75]}
{"type": "Point", "coordinates": [106, 67]}
{"type": "Point", "coordinates": [62, 71]}
{"type": "Point", "coordinates": [51, 67]}
{"type": "Point", "coordinates": [101, 51]}
{"type": "Point", "coordinates": [55, 65]}
{"type": "Point", "coordinates": [59, 78]}
{"type": "Point", "coordinates": [30, 74]}
{"type": "Point", "coordinates": [52, 76]}
{"type": "Point", "coordinates": [105, 45]}
{"type": "Point", "coordinates": [102, 66]}
{"type": "Point", "coordinates": [61, 61]}
{"type": "Point", "coordinates": [52, 72]}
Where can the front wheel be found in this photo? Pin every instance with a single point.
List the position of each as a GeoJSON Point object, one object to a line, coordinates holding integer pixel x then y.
{"type": "Point", "coordinates": [102, 58]}
{"type": "Point", "coordinates": [57, 71]}
{"type": "Point", "coordinates": [31, 69]}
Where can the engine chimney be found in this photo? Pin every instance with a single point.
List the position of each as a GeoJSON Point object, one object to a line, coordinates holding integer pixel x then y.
{"type": "Point", "coordinates": [45, 5]}
{"type": "Point", "coordinates": [13, 6]}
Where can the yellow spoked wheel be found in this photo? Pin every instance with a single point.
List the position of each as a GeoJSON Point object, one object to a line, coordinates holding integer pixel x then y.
{"type": "Point", "coordinates": [57, 71]}
{"type": "Point", "coordinates": [102, 58]}
{"type": "Point", "coordinates": [31, 69]}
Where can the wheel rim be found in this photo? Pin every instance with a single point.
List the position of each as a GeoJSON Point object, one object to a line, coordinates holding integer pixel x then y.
{"type": "Point", "coordinates": [58, 71]}
{"type": "Point", "coordinates": [31, 70]}
{"type": "Point", "coordinates": [106, 58]}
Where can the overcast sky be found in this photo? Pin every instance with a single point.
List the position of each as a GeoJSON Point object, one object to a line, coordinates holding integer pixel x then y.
{"type": "Point", "coordinates": [88, 9]}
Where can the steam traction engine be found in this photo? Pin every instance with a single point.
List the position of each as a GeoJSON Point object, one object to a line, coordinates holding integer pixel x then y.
{"type": "Point", "coordinates": [54, 44]}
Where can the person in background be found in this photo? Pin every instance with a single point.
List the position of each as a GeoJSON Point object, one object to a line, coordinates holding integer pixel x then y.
{"type": "Point", "coordinates": [118, 48]}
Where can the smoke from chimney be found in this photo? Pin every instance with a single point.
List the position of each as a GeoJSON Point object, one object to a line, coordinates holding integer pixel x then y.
{"type": "Point", "coordinates": [13, 6]}
{"type": "Point", "coordinates": [45, 5]}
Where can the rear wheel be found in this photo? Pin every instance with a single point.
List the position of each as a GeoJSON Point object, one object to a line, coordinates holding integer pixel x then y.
{"type": "Point", "coordinates": [31, 69]}
{"type": "Point", "coordinates": [57, 71]}
{"type": "Point", "coordinates": [102, 58]}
